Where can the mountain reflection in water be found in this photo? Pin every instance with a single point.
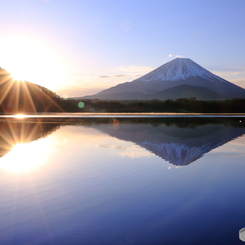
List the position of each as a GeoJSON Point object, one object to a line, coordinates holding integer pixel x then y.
{"type": "Point", "coordinates": [179, 141]}
{"type": "Point", "coordinates": [94, 181]}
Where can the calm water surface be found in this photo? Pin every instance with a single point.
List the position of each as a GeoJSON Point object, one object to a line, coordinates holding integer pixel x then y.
{"type": "Point", "coordinates": [122, 181]}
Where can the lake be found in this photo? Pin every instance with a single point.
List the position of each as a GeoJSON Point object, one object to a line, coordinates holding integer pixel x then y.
{"type": "Point", "coordinates": [122, 180]}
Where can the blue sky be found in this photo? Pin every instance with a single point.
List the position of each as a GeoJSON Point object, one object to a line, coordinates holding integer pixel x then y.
{"type": "Point", "coordinates": [79, 47]}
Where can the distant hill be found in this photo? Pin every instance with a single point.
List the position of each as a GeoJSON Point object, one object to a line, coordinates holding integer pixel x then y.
{"type": "Point", "coordinates": [22, 96]}
{"type": "Point", "coordinates": [178, 78]}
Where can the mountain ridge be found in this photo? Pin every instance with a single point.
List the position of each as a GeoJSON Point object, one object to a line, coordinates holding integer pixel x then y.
{"type": "Point", "coordinates": [180, 71]}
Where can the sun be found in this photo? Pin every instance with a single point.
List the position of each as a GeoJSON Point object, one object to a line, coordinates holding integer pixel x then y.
{"type": "Point", "coordinates": [31, 60]}
{"type": "Point", "coordinates": [18, 74]}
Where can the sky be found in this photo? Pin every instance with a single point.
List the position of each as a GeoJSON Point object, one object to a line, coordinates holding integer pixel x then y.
{"type": "Point", "coordinates": [80, 47]}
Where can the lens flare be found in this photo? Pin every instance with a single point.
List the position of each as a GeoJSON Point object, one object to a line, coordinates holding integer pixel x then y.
{"type": "Point", "coordinates": [81, 104]}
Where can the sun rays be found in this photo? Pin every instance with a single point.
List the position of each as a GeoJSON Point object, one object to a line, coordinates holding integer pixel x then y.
{"type": "Point", "coordinates": [20, 98]}
{"type": "Point", "coordinates": [29, 59]}
{"type": "Point", "coordinates": [21, 149]}
{"type": "Point", "coordinates": [25, 97]}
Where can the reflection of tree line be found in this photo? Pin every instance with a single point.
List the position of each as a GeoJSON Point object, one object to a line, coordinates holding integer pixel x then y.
{"type": "Point", "coordinates": [193, 136]}
{"type": "Point", "coordinates": [180, 122]}
{"type": "Point", "coordinates": [13, 133]}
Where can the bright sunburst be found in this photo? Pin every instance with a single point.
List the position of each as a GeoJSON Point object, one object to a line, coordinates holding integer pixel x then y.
{"type": "Point", "coordinates": [18, 75]}
{"type": "Point", "coordinates": [29, 59]}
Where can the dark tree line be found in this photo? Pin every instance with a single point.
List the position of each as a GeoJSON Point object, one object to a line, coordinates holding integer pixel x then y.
{"type": "Point", "coordinates": [180, 105]}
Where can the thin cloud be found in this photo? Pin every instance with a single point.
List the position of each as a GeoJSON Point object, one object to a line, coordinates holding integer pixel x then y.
{"type": "Point", "coordinates": [128, 151]}
{"type": "Point", "coordinates": [120, 75]}
{"type": "Point", "coordinates": [111, 76]}
{"type": "Point", "coordinates": [103, 76]}
{"type": "Point", "coordinates": [233, 68]}
{"type": "Point", "coordinates": [177, 56]}
{"type": "Point", "coordinates": [135, 69]}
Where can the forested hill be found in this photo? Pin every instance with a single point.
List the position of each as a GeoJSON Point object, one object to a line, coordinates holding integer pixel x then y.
{"type": "Point", "coordinates": [23, 96]}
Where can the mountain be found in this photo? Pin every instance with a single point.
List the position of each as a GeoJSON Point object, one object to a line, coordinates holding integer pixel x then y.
{"type": "Point", "coordinates": [178, 141]}
{"type": "Point", "coordinates": [198, 81]}
{"type": "Point", "coordinates": [23, 96]}
{"type": "Point", "coordinates": [187, 91]}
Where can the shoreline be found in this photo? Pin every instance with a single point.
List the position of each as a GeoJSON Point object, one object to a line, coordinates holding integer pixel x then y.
{"type": "Point", "coordinates": [119, 115]}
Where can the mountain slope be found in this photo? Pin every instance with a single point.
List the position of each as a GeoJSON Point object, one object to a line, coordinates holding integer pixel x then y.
{"type": "Point", "coordinates": [22, 96]}
{"type": "Point", "coordinates": [180, 91]}
{"type": "Point", "coordinates": [187, 91]}
{"type": "Point", "coordinates": [180, 71]}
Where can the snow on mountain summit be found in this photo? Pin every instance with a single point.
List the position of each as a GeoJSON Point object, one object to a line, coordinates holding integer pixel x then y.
{"type": "Point", "coordinates": [179, 69]}
{"type": "Point", "coordinates": [184, 77]}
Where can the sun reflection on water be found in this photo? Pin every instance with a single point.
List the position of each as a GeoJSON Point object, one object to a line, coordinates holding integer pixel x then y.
{"type": "Point", "coordinates": [20, 116]}
{"type": "Point", "coordinates": [25, 157]}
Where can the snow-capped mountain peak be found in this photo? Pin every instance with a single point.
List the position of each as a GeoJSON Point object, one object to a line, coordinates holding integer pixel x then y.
{"type": "Point", "coordinates": [179, 69]}
{"type": "Point", "coordinates": [184, 77]}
